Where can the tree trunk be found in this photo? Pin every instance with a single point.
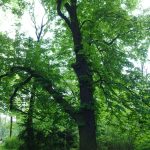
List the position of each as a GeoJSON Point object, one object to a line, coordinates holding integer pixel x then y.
{"type": "Point", "coordinates": [86, 121]}
{"type": "Point", "coordinates": [11, 124]}
{"type": "Point", "coordinates": [29, 125]}
{"type": "Point", "coordinates": [87, 128]}
{"type": "Point", "coordinates": [87, 132]}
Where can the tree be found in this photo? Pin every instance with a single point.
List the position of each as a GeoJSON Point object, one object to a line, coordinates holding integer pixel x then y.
{"type": "Point", "coordinates": [91, 53]}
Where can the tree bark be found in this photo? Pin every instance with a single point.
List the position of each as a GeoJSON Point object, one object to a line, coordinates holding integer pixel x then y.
{"type": "Point", "coordinates": [87, 131]}
{"type": "Point", "coordinates": [86, 124]}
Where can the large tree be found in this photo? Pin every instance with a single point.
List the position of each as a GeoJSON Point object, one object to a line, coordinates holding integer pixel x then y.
{"type": "Point", "coordinates": [89, 58]}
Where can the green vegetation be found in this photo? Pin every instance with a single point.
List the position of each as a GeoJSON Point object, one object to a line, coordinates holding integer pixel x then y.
{"type": "Point", "coordinates": [12, 143]}
{"type": "Point", "coordinates": [81, 84]}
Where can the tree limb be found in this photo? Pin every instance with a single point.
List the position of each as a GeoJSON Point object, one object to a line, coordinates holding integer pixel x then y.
{"type": "Point", "coordinates": [25, 113]}
{"type": "Point", "coordinates": [112, 41]}
{"type": "Point", "coordinates": [49, 87]}
{"type": "Point", "coordinates": [38, 29]}
{"type": "Point", "coordinates": [85, 21]}
{"type": "Point", "coordinates": [59, 3]}
{"type": "Point", "coordinates": [20, 85]}
{"type": "Point", "coordinates": [5, 75]}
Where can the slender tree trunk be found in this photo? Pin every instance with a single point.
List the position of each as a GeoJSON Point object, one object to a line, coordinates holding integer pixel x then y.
{"type": "Point", "coordinates": [11, 125]}
{"type": "Point", "coordinates": [30, 130]}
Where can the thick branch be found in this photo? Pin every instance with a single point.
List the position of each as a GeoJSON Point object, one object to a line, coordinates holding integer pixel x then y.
{"type": "Point", "coordinates": [20, 85]}
{"type": "Point", "coordinates": [47, 84]}
{"type": "Point", "coordinates": [59, 3]}
{"type": "Point", "coordinates": [5, 75]}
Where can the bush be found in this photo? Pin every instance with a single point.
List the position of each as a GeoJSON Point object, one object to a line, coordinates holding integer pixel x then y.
{"type": "Point", "coordinates": [12, 143]}
{"type": "Point", "coordinates": [55, 140]}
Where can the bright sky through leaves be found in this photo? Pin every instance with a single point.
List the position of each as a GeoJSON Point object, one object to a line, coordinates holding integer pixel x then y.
{"type": "Point", "coordinates": [8, 20]}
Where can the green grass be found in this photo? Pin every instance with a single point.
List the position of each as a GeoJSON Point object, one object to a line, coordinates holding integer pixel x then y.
{"type": "Point", "coordinates": [2, 147]}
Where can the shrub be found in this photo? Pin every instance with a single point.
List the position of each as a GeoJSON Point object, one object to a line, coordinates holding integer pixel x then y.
{"type": "Point", "coordinates": [12, 143]}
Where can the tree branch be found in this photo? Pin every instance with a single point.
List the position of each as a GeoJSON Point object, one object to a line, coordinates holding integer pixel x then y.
{"type": "Point", "coordinates": [38, 29]}
{"type": "Point", "coordinates": [5, 75]}
{"type": "Point", "coordinates": [112, 41]}
{"type": "Point", "coordinates": [25, 113]}
{"type": "Point", "coordinates": [59, 3]}
{"type": "Point", "coordinates": [41, 30]}
{"type": "Point", "coordinates": [85, 21]}
{"type": "Point", "coordinates": [49, 87]}
{"type": "Point", "coordinates": [20, 85]}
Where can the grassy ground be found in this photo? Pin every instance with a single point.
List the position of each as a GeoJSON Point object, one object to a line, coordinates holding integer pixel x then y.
{"type": "Point", "coordinates": [2, 147]}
